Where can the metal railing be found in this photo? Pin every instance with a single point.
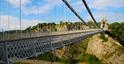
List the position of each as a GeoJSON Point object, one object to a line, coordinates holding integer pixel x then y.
{"type": "Point", "coordinates": [26, 48]}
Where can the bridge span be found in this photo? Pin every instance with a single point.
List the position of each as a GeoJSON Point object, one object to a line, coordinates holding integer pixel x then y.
{"type": "Point", "coordinates": [32, 46]}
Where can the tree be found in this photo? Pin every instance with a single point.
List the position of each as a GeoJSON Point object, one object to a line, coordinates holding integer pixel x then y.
{"type": "Point", "coordinates": [114, 26]}
{"type": "Point", "coordinates": [118, 30]}
{"type": "Point", "coordinates": [91, 24]}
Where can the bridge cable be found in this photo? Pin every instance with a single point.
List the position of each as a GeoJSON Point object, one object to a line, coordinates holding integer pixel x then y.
{"type": "Point", "coordinates": [70, 7]}
{"type": "Point", "coordinates": [90, 13]}
{"type": "Point", "coordinates": [64, 20]}
{"type": "Point", "coordinates": [20, 20]}
{"type": "Point", "coordinates": [0, 23]}
{"type": "Point", "coordinates": [107, 32]}
{"type": "Point", "coordinates": [8, 20]}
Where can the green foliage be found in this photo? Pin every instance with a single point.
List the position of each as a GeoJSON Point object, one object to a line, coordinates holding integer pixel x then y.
{"type": "Point", "coordinates": [67, 61]}
{"type": "Point", "coordinates": [50, 57]}
{"type": "Point", "coordinates": [73, 54]}
{"type": "Point", "coordinates": [43, 27]}
{"type": "Point", "coordinates": [90, 59]}
{"type": "Point", "coordinates": [77, 53]}
{"type": "Point", "coordinates": [91, 24]}
{"type": "Point", "coordinates": [48, 27]}
{"type": "Point", "coordinates": [21, 63]}
{"type": "Point", "coordinates": [47, 56]}
{"type": "Point", "coordinates": [114, 26]}
{"type": "Point", "coordinates": [117, 29]}
{"type": "Point", "coordinates": [104, 39]}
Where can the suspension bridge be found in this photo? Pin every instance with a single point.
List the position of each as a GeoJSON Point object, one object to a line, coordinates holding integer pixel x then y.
{"type": "Point", "coordinates": [26, 45]}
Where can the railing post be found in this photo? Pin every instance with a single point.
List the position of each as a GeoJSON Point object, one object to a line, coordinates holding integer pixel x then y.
{"type": "Point", "coordinates": [51, 41]}
{"type": "Point", "coordinates": [33, 48]}
{"type": "Point", "coordinates": [69, 39]}
{"type": "Point", "coordinates": [62, 42]}
{"type": "Point", "coordinates": [5, 53]}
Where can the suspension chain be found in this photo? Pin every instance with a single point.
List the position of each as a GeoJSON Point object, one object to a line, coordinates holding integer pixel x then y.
{"type": "Point", "coordinates": [90, 13]}
{"type": "Point", "coordinates": [70, 7]}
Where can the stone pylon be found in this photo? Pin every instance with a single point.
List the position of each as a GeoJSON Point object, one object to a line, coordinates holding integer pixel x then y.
{"type": "Point", "coordinates": [104, 24]}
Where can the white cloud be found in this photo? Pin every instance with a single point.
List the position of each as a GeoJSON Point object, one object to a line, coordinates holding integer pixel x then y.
{"type": "Point", "coordinates": [112, 17]}
{"type": "Point", "coordinates": [103, 4]}
{"type": "Point", "coordinates": [98, 5]}
{"type": "Point", "coordinates": [35, 9]}
{"type": "Point", "coordinates": [102, 8]}
{"type": "Point", "coordinates": [14, 23]}
{"type": "Point", "coordinates": [78, 6]}
{"type": "Point", "coordinates": [48, 6]}
{"type": "Point", "coordinates": [16, 3]}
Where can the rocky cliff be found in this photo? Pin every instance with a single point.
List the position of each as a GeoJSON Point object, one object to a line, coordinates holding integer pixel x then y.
{"type": "Point", "coordinates": [103, 47]}
{"type": "Point", "coordinates": [106, 49]}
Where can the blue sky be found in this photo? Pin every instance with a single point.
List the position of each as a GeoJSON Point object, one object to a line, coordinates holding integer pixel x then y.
{"type": "Point", "coordinates": [35, 11]}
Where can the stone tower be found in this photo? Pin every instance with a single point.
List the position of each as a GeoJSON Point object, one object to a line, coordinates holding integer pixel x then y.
{"type": "Point", "coordinates": [104, 24]}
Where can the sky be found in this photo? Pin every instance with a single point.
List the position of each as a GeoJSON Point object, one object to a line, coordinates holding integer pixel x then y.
{"type": "Point", "coordinates": [40, 11]}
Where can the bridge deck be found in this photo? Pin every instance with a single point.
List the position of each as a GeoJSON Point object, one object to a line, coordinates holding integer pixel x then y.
{"type": "Point", "coordinates": [25, 48]}
{"type": "Point", "coordinates": [15, 36]}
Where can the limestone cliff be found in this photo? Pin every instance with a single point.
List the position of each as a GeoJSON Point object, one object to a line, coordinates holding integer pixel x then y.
{"type": "Point", "coordinates": [106, 49]}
